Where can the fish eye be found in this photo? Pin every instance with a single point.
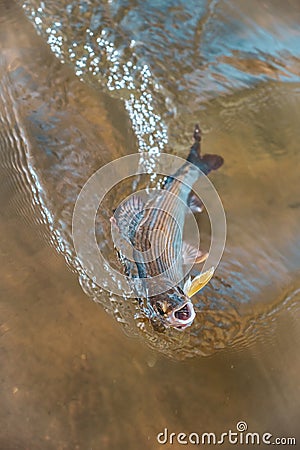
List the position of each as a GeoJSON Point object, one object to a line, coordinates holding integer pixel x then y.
{"type": "Point", "coordinates": [160, 309]}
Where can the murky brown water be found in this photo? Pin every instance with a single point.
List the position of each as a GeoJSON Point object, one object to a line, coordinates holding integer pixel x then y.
{"type": "Point", "coordinates": [70, 376]}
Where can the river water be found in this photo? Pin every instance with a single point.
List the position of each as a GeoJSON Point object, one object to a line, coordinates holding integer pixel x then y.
{"type": "Point", "coordinates": [82, 84]}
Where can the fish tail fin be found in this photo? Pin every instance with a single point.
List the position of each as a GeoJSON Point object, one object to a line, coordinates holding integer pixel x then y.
{"type": "Point", "coordinates": [205, 163]}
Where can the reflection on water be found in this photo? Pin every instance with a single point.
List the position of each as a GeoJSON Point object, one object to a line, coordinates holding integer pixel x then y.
{"type": "Point", "coordinates": [70, 377]}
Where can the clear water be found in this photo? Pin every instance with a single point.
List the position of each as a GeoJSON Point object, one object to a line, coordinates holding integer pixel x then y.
{"type": "Point", "coordinates": [70, 376]}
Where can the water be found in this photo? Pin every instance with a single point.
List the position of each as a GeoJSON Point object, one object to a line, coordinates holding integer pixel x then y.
{"type": "Point", "coordinates": [70, 377]}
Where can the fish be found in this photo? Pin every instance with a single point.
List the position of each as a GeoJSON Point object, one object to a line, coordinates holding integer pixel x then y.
{"type": "Point", "coordinates": [150, 229]}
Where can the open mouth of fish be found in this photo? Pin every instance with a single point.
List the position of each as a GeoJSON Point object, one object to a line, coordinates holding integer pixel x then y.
{"type": "Point", "coordinates": [182, 317]}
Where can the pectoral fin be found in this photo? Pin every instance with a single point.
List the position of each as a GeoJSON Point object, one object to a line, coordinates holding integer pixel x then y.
{"type": "Point", "coordinates": [192, 255]}
{"type": "Point", "coordinates": [191, 287]}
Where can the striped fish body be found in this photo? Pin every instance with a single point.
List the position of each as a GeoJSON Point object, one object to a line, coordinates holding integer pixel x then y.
{"type": "Point", "coordinates": [159, 231]}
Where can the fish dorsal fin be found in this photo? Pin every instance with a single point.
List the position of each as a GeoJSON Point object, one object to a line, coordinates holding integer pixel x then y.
{"type": "Point", "coordinates": [191, 287]}
{"type": "Point", "coordinates": [129, 215]}
{"type": "Point", "coordinates": [192, 255]}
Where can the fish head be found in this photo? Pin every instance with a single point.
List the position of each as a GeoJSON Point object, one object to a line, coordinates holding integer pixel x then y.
{"type": "Point", "coordinates": [173, 308]}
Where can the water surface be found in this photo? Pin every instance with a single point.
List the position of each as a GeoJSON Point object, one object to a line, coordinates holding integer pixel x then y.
{"type": "Point", "coordinates": [71, 378]}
